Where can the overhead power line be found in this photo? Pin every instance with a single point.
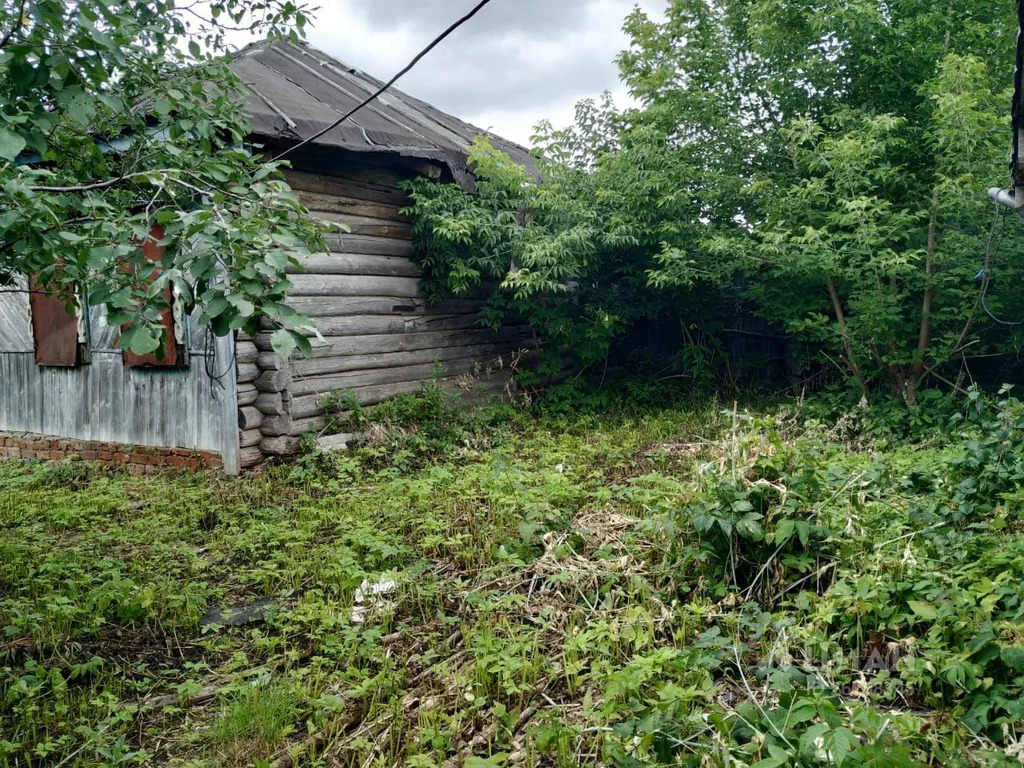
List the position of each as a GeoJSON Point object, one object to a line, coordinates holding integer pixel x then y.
{"type": "Point", "coordinates": [433, 44]}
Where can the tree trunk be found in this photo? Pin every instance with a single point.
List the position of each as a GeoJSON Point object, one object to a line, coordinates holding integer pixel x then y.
{"type": "Point", "coordinates": [924, 332]}
{"type": "Point", "coordinates": [858, 374]}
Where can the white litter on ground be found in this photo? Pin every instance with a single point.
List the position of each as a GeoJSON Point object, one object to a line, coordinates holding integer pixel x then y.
{"type": "Point", "coordinates": [371, 596]}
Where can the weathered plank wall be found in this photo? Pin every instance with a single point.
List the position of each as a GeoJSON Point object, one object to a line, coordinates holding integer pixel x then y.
{"type": "Point", "coordinates": [380, 336]}
{"type": "Point", "coordinates": [106, 402]}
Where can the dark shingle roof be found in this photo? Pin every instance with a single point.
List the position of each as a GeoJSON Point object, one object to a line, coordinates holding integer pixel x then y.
{"type": "Point", "coordinates": [294, 91]}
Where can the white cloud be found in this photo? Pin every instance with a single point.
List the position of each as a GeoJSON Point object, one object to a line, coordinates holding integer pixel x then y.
{"type": "Point", "coordinates": [517, 62]}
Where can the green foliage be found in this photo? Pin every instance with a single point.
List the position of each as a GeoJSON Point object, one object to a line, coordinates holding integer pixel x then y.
{"type": "Point", "coordinates": [411, 428]}
{"type": "Point", "coordinates": [860, 190]}
{"type": "Point", "coordinates": [582, 400]}
{"type": "Point", "coordinates": [121, 131]}
{"type": "Point", "coordinates": [681, 585]}
{"type": "Point", "coordinates": [825, 161]}
{"type": "Point", "coordinates": [566, 258]}
{"type": "Point", "coordinates": [254, 722]}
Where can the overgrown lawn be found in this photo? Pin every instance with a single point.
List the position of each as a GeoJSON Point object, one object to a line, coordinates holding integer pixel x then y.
{"type": "Point", "coordinates": [700, 585]}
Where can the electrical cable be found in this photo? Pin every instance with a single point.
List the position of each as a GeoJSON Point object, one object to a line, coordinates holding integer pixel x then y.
{"type": "Point", "coordinates": [1017, 100]}
{"type": "Point", "coordinates": [986, 269]}
{"type": "Point", "coordinates": [210, 362]}
{"type": "Point", "coordinates": [436, 41]}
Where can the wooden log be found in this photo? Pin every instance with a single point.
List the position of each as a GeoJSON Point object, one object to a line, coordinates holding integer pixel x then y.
{"type": "Point", "coordinates": [363, 225]}
{"type": "Point", "coordinates": [347, 205]}
{"type": "Point", "coordinates": [310, 406]}
{"type": "Point", "coordinates": [270, 363]}
{"type": "Point", "coordinates": [372, 173]}
{"type": "Point", "coordinates": [271, 404]}
{"type": "Point", "coordinates": [249, 417]}
{"type": "Point", "coordinates": [312, 425]}
{"type": "Point", "coordinates": [345, 187]}
{"type": "Point", "coordinates": [249, 437]}
{"type": "Point", "coordinates": [247, 394]}
{"type": "Point", "coordinates": [354, 285]}
{"type": "Point", "coordinates": [282, 445]}
{"type": "Point", "coordinates": [372, 395]}
{"type": "Point", "coordinates": [380, 246]}
{"type": "Point", "coordinates": [273, 426]}
{"type": "Point", "coordinates": [248, 372]}
{"type": "Point", "coordinates": [356, 264]}
{"type": "Point", "coordinates": [367, 325]}
{"type": "Point", "coordinates": [250, 457]}
{"type": "Point", "coordinates": [328, 365]}
{"type": "Point", "coordinates": [327, 306]}
{"type": "Point", "coordinates": [245, 352]}
{"type": "Point", "coordinates": [313, 385]}
{"type": "Point", "coordinates": [274, 380]}
{"type": "Point", "coordinates": [334, 346]}
{"type": "Point", "coordinates": [372, 228]}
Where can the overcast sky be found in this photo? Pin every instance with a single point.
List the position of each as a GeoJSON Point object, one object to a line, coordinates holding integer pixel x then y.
{"type": "Point", "coordinates": [512, 65]}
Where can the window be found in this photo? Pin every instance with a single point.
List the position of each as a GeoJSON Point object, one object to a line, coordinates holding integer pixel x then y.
{"type": "Point", "coordinates": [60, 336]}
{"type": "Point", "coordinates": [173, 319]}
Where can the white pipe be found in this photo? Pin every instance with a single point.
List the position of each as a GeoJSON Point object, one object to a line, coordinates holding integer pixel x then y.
{"type": "Point", "coordinates": [1003, 197]}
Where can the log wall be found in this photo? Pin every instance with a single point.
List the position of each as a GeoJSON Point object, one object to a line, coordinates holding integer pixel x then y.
{"type": "Point", "coordinates": [380, 336]}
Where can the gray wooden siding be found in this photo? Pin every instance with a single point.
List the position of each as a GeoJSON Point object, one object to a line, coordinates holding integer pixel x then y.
{"type": "Point", "coordinates": [15, 328]}
{"type": "Point", "coordinates": [107, 402]}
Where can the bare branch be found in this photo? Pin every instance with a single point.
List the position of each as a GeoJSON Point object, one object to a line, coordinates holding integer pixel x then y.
{"type": "Point", "coordinates": [18, 17]}
{"type": "Point", "coordinates": [105, 184]}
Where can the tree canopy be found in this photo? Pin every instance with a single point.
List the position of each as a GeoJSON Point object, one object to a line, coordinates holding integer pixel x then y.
{"type": "Point", "coordinates": [121, 122]}
{"type": "Point", "coordinates": [824, 160]}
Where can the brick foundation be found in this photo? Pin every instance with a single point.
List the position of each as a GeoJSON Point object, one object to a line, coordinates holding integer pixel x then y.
{"type": "Point", "coordinates": [139, 459]}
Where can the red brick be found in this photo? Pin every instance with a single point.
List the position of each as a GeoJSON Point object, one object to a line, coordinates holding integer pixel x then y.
{"type": "Point", "coordinates": [139, 459]}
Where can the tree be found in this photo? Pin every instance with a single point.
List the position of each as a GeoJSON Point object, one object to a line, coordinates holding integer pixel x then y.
{"type": "Point", "coordinates": [121, 122]}
{"type": "Point", "coordinates": [569, 254]}
{"type": "Point", "coordinates": [827, 159]}
{"type": "Point", "coordinates": [862, 135]}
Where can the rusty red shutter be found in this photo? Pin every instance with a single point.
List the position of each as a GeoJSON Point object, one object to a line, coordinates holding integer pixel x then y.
{"type": "Point", "coordinates": [54, 329]}
{"type": "Point", "coordinates": [155, 252]}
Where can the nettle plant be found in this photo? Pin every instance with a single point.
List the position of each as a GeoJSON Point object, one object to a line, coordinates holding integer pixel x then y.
{"type": "Point", "coordinates": [122, 123]}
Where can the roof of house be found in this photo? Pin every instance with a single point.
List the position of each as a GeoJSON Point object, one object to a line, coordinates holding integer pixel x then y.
{"type": "Point", "coordinates": [295, 91]}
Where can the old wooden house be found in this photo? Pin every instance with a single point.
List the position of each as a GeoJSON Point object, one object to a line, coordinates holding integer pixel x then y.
{"type": "Point", "coordinates": [67, 387]}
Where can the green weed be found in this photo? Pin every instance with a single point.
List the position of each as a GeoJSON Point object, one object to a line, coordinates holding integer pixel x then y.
{"type": "Point", "coordinates": [253, 723]}
{"type": "Point", "coordinates": [707, 586]}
